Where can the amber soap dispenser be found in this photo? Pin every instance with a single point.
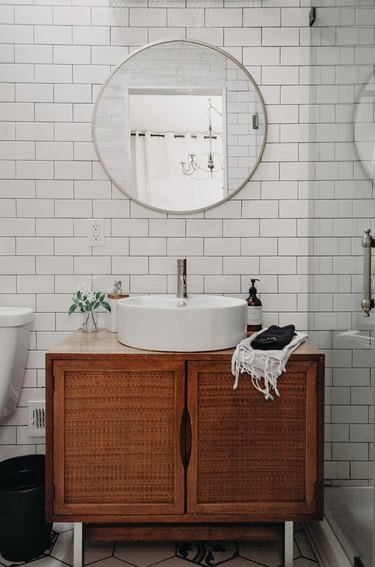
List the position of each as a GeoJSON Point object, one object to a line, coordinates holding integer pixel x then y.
{"type": "Point", "coordinates": [254, 309]}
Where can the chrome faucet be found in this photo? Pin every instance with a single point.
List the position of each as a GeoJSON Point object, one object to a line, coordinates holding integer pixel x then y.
{"type": "Point", "coordinates": [181, 278]}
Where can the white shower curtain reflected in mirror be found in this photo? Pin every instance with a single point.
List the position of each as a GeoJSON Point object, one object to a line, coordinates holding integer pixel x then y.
{"type": "Point", "coordinates": [158, 176]}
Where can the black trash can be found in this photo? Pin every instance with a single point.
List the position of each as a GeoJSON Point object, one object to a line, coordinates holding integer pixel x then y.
{"type": "Point", "coordinates": [24, 534]}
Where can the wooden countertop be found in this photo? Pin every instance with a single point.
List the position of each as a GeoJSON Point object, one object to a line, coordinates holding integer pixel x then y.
{"type": "Point", "coordinates": [105, 342]}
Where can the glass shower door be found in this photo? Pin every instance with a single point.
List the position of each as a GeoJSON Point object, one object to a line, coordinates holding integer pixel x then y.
{"type": "Point", "coordinates": [342, 206]}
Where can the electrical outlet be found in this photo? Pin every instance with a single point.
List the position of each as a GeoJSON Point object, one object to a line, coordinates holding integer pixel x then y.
{"type": "Point", "coordinates": [96, 232]}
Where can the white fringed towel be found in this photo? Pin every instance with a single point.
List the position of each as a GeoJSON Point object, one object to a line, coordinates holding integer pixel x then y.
{"type": "Point", "coordinates": [264, 366]}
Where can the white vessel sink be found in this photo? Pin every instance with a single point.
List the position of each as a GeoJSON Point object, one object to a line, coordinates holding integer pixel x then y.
{"type": "Point", "coordinates": [207, 322]}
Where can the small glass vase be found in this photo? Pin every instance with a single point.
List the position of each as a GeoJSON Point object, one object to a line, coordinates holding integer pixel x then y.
{"type": "Point", "coordinates": [90, 322]}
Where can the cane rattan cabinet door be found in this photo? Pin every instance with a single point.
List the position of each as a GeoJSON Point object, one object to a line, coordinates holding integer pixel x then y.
{"type": "Point", "coordinates": [116, 438]}
{"type": "Point", "coordinates": [250, 455]}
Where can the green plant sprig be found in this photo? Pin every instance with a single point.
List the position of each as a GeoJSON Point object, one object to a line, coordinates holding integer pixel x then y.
{"type": "Point", "coordinates": [88, 301]}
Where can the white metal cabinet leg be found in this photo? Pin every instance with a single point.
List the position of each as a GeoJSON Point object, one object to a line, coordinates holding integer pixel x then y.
{"type": "Point", "coordinates": [77, 544]}
{"type": "Point", "coordinates": [288, 544]}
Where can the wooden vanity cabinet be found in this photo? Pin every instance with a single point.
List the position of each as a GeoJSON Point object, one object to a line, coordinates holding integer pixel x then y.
{"type": "Point", "coordinates": [162, 441]}
{"type": "Point", "coordinates": [116, 437]}
{"type": "Point", "coordinates": [251, 455]}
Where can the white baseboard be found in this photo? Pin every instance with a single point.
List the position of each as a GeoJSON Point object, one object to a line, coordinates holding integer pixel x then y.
{"type": "Point", "coordinates": [326, 545]}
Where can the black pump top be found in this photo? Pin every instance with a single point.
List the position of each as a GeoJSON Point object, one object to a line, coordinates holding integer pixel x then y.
{"type": "Point", "coordinates": [253, 290]}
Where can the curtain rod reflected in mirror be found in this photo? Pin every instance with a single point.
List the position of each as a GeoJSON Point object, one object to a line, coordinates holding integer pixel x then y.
{"type": "Point", "coordinates": [180, 126]}
{"type": "Point", "coordinates": [163, 135]}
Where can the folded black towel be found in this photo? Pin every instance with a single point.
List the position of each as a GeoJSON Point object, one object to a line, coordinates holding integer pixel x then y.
{"type": "Point", "coordinates": [274, 338]}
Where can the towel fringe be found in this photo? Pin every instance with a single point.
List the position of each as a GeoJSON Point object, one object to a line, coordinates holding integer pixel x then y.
{"type": "Point", "coordinates": [264, 367]}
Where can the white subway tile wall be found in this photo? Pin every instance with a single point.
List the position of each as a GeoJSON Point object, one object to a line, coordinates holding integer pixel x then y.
{"type": "Point", "coordinates": [296, 225]}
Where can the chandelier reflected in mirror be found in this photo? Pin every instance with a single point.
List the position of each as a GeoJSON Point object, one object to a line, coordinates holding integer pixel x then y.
{"type": "Point", "coordinates": [208, 163]}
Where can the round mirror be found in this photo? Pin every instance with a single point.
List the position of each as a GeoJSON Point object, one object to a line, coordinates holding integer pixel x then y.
{"type": "Point", "coordinates": [180, 126]}
{"type": "Point", "coordinates": [364, 125]}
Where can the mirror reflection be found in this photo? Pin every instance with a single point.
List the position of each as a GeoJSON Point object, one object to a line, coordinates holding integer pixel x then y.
{"type": "Point", "coordinates": [180, 126]}
{"type": "Point", "coordinates": [176, 158]}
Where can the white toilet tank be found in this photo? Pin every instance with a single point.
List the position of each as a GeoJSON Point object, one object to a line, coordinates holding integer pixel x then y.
{"type": "Point", "coordinates": [15, 323]}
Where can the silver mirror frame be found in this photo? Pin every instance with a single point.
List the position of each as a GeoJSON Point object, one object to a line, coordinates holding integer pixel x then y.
{"type": "Point", "coordinates": [250, 78]}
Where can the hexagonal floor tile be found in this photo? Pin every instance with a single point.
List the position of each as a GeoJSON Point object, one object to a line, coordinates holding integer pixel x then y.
{"type": "Point", "coordinates": [241, 562]}
{"type": "Point", "coordinates": [303, 562]}
{"type": "Point", "coordinates": [112, 562]}
{"type": "Point", "coordinates": [97, 550]}
{"type": "Point", "coordinates": [144, 554]}
{"type": "Point", "coordinates": [304, 546]}
{"type": "Point", "coordinates": [63, 548]}
{"type": "Point", "coordinates": [42, 561]}
{"type": "Point", "coordinates": [171, 554]}
{"type": "Point", "coordinates": [266, 553]}
{"type": "Point", "coordinates": [174, 562]}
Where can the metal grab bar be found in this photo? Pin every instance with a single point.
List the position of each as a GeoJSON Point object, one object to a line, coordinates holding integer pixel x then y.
{"type": "Point", "coordinates": [367, 302]}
